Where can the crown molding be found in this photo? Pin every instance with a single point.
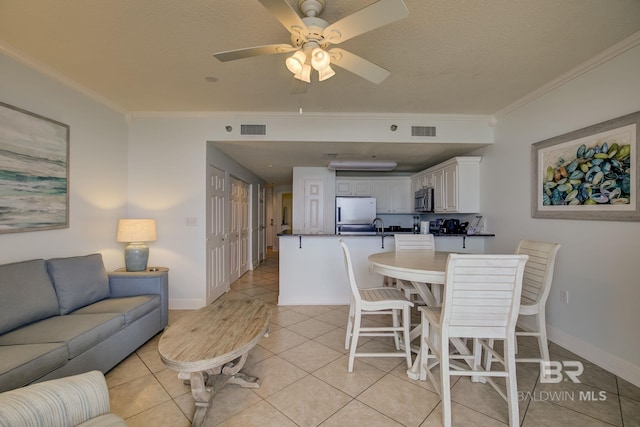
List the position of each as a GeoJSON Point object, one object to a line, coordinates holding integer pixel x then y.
{"type": "Point", "coordinates": [606, 55]}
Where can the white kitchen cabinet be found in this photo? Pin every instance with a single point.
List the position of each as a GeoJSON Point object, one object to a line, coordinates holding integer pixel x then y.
{"type": "Point", "coordinates": [353, 187]}
{"type": "Point", "coordinates": [438, 191]}
{"type": "Point", "coordinates": [458, 180]}
{"type": "Point", "coordinates": [393, 195]}
{"type": "Point", "coordinates": [422, 180]}
{"type": "Point", "coordinates": [451, 189]}
{"type": "Point", "coordinates": [456, 185]}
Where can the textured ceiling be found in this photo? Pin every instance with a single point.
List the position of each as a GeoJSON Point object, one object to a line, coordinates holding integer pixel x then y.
{"type": "Point", "coordinates": [447, 57]}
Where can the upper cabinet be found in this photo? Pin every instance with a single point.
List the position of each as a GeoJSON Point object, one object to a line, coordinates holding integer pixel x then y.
{"type": "Point", "coordinates": [393, 195]}
{"type": "Point", "coordinates": [456, 185]}
{"type": "Point", "coordinates": [353, 187]}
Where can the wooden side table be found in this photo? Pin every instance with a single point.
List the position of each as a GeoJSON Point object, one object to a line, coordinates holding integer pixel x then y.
{"type": "Point", "coordinates": [148, 270]}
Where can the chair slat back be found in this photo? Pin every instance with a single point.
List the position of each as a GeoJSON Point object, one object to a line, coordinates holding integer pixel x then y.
{"type": "Point", "coordinates": [350, 274]}
{"type": "Point", "coordinates": [414, 241]}
{"type": "Point", "coordinates": [538, 273]}
{"type": "Point", "coordinates": [482, 295]}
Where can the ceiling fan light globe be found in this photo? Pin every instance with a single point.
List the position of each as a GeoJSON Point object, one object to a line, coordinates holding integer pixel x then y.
{"type": "Point", "coordinates": [305, 74]}
{"type": "Point", "coordinates": [326, 73]}
{"type": "Point", "coordinates": [320, 59]}
{"type": "Point", "coordinates": [295, 63]}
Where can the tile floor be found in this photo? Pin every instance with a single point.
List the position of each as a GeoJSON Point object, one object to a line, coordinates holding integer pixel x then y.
{"type": "Point", "coordinates": [304, 382]}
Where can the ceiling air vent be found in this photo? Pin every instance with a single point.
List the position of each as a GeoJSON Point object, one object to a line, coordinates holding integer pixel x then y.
{"type": "Point", "coordinates": [423, 131]}
{"type": "Point", "coordinates": [253, 129]}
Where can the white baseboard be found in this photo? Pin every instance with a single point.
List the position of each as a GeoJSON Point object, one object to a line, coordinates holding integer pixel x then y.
{"type": "Point", "coordinates": [602, 358]}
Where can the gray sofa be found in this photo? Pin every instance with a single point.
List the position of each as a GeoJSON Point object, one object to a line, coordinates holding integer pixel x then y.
{"type": "Point", "coordinates": [65, 316]}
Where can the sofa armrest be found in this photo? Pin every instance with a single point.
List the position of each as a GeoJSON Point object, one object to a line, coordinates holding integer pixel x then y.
{"type": "Point", "coordinates": [67, 401]}
{"type": "Point", "coordinates": [126, 284]}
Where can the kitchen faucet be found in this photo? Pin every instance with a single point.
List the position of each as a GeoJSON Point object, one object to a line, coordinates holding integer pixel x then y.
{"type": "Point", "coordinates": [373, 223]}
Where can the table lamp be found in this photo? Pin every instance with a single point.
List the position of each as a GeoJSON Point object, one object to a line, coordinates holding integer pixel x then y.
{"type": "Point", "coordinates": [136, 232]}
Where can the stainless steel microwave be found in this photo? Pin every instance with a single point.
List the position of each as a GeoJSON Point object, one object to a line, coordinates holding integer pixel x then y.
{"type": "Point", "coordinates": [424, 200]}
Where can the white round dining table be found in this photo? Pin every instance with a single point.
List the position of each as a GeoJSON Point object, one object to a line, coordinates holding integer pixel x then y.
{"type": "Point", "coordinates": [420, 267]}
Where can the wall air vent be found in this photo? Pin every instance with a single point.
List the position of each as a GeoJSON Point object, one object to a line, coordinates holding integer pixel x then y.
{"type": "Point", "coordinates": [423, 131]}
{"type": "Point", "coordinates": [253, 129]}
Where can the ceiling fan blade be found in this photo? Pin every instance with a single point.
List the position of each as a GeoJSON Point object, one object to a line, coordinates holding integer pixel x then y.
{"type": "Point", "coordinates": [357, 65]}
{"type": "Point", "coordinates": [371, 17]}
{"type": "Point", "coordinates": [287, 16]}
{"type": "Point", "coordinates": [248, 52]}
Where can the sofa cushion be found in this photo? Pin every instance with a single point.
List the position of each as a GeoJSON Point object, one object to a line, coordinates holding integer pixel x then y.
{"type": "Point", "coordinates": [133, 308]}
{"type": "Point", "coordinates": [78, 281]}
{"type": "Point", "coordinates": [26, 294]}
{"type": "Point", "coordinates": [21, 364]}
{"type": "Point", "coordinates": [80, 332]}
{"type": "Point", "coordinates": [69, 401]}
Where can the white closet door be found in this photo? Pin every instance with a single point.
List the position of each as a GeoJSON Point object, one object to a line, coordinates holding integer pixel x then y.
{"type": "Point", "coordinates": [217, 270]}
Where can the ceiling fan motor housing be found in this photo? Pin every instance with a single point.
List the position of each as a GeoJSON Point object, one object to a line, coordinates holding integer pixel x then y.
{"type": "Point", "coordinates": [316, 28]}
{"type": "Point", "coordinates": [311, 7]}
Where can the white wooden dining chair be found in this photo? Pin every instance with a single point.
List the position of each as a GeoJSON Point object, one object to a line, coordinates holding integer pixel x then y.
{"type": "Point", "coordinates": [481, 300]}
{"type": "Point", "coordinates": [380, 300]}
{"type": "Point", "coordinates": [538, 275]}
{"type": "Point", "coordinates": [412, 242]}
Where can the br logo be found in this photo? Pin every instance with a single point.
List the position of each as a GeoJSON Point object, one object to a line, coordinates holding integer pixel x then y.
{"type": "Point", "coordinates": [554, 371]}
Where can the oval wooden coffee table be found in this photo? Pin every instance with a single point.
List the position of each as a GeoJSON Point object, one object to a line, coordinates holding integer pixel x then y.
{"type": "Point", "coordinates": [209, 346]}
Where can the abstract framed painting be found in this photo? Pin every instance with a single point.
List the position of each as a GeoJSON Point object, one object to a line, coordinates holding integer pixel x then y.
{"type": "Point", "coordinates": [34, 171]}
{"type": "Point", "coordinates": [588, 174]}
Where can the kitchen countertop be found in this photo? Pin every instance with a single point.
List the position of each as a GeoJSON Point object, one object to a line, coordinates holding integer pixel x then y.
{"type": "Point", "coordinates": [386, 234]}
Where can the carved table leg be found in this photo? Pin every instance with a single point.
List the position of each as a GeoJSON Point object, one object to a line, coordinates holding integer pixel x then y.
{"type": "Point", "coordinates": [243, 380]}
{"type": "Point", "coordinates": [201, 396]}
{"type": "Point", "coordinates": [205, 384]}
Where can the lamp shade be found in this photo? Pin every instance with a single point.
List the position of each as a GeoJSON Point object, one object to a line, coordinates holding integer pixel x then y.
{"type": "Point", "coordinates": [136, 230]}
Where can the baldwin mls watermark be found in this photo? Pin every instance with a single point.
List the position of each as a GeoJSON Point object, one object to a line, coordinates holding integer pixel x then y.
{"type": "Point", "coordinates": [554, 372]}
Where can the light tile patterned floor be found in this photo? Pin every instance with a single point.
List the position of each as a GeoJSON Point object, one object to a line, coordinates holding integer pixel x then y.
{"type": "Point", "coordinates": [303, 371]}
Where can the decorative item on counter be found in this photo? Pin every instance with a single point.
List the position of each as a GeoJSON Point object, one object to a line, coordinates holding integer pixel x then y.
{"type": "Point", "coordinates": [474, 227]}
{"type": "Point", "coordinates": [424, 227]}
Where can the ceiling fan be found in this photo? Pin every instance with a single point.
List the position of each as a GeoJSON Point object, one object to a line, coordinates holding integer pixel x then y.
{"type": "Point", "coordinates": [312, 36]}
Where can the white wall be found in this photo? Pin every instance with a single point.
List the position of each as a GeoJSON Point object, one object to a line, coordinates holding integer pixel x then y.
{"type": "Point", "coordinates": [167, 167]}
{"type": "Point", "coordinates": [598, 260]}
{"type": "Point", "coordinates": [98, 168]}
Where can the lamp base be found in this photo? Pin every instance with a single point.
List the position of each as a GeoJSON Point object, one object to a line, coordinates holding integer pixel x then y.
{"type": "Point", "coordinates": [136, 256]}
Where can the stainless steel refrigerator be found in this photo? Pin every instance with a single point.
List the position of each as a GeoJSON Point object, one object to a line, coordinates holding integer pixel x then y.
{"type": "Point", "coordinates": [354, 215]}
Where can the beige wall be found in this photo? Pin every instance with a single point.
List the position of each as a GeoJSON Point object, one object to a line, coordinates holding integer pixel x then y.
{"type": "Point", "coordinates": [598, 261]}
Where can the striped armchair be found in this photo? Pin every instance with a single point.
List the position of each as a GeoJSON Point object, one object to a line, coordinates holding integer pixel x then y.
{"type": "Point", "coordinates": [79, 400]}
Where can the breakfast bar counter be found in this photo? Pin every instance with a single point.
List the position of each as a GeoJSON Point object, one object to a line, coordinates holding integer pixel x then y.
{"type": "Point", "coordinates": [312, 265]}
